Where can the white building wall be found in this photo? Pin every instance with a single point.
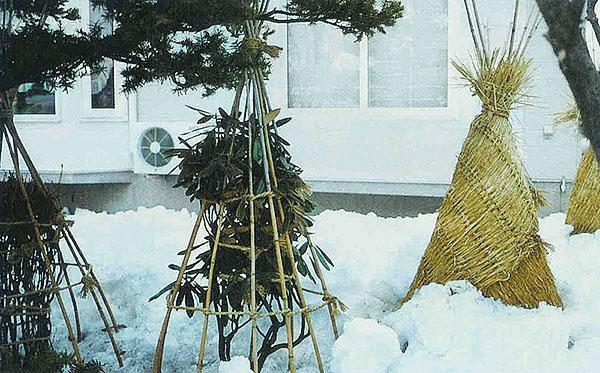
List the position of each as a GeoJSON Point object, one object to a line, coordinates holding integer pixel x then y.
{"type": "Point", "coordinates": [362, 150]}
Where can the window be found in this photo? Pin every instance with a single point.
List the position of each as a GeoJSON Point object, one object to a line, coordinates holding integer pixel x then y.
{"type": "Point", "coordinates": [408, 66]}
{"type": "Point", "coordinates": [323, 68]}
{"type": "Point", "coordinates": [34, 99]}
{"type": "Point", "coordinates": [405, 68]}
{"type": "Point", "coordinates": [103, 83]}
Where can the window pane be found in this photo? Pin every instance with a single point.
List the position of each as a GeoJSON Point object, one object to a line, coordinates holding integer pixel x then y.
{"type": "Point", "coordinates": [323, 68]}
{"type": "Point", "coordinates": [34, 99]}
{"type": "Point", "coordinates": [103, 87]}
{"type": "Point", "coordinates": [408, 66]}
{"type": "Point", "coordinates": [103, 83]}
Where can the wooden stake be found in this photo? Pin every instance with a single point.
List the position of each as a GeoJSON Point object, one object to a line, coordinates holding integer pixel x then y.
{"type": "Point", "coordinates": [207, 299]}
{"type": "Point", "coordinates": [317, 266]}
{"type": "Point", "coordinates": [42, 247]}
{"type": "Point", "coordinates": [287, 316]}
{"type": "Point", "coordinates": [160, 347]}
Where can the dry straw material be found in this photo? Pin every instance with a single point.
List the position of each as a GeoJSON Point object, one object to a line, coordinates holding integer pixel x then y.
{"type": "Point", "coordinates": [583, 212]}
{"type": "Point", "coordinates": [487, 228]}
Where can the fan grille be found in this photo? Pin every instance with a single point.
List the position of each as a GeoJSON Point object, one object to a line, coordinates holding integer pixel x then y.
{"type": "Point", "coordinates": [154, 144]}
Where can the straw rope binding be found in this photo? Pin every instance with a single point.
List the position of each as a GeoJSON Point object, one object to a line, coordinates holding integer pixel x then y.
{"type": "Point", "coordinates": [583, 212]}
{"type": "Point", "coordinates": [487, 228]}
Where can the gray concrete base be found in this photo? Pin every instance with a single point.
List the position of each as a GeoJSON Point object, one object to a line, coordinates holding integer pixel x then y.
{"type": "Point", "coordinates": [151, 191]}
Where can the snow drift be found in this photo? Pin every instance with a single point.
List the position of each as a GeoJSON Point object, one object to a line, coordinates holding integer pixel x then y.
{"type": "Point", "coordinates": [450, 328]}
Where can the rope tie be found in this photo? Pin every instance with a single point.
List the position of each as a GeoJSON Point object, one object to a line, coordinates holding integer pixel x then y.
{"type": "Point", "coordinates": [338, 305]}
{"type": "Point", "coordinates": [88, 283]}
{"type": "Point", "coordinates": [258, 45]}
{"type": "Point", "coordinates": [496, 111]}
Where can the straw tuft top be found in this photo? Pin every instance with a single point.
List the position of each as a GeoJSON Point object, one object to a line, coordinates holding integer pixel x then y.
{"type": "Point", "coordinates": [499, 81]}
{"type": "Point", "coordinates": [499, 78]}
{"type": "Point", "coordinates": [571, 114]}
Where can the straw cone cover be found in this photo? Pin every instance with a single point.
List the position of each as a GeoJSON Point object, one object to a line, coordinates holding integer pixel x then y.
{"type": "Point", "coordinates": [487, 228]}
{"type": "Point", "coordinates": [583, 213]}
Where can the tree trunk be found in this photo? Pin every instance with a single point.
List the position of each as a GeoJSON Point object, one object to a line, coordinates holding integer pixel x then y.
{"type": "Point", "coordinates": [564, 19]}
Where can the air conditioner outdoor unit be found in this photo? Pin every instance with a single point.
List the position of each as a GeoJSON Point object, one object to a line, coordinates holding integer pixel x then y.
{"type": "Point", "coordinates": [151, 143]}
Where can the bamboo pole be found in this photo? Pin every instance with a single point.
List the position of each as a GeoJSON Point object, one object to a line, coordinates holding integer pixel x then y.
{"type": "Point", "coordinates": [160, 347]}
{"type": "Point", "coordinates": [42, 187]}
{"type": "Point", "coordinates": [64, 230]}
{"type": "Point", "coordinates": [253, 341]}
{"type": "Point", "coordinates": [470, 19]}
{"type": "Point", "coordinates": [525, 28]}
{"type": "Point", "coordinates": [513, 29]}
{"type": "Point", "coordinates": [315, 260]}
{"type": "Point", "coordinates": [207, 299]}
{"type": "Point", "coordinates": [42, 247]}
{"type": "Point", "coordinates": [109, 330]}
{"type": "Point", "coordinates": [288, 242]}
{"type": "Point", "coordinates": [65, 269]}
{"type": "Point", "coordinates": [71, 238]}
{"type": "Point", "coordinates": [276, 239]}
{"type": "Point", "coordinates": [479, 30]}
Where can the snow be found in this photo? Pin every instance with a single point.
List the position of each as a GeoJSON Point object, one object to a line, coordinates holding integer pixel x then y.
{"type": "Point", "coordinates": [238, 364]}
{"type": "Point", "coordinates": [450, 328]}
{"type": "Point", "coordinates": [377, 345]}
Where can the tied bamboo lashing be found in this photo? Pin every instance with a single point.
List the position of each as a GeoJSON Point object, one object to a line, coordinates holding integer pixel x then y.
{"type": "Point", "coordinates": [256, 44]}
{"type": "Point", "coordinates": [88, 283]}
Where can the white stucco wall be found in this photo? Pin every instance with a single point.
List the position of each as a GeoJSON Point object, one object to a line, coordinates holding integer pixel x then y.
{"type": "Point", "coordinates": [366, 150]}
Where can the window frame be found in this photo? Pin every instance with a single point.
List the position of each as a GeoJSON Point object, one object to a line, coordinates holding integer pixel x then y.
{"type": "Point", "coordinates": [457, 43]}
{"type": "Point", "coordinates": [120, 112]}
{"type": "Point", "coordinates": [44, 118]}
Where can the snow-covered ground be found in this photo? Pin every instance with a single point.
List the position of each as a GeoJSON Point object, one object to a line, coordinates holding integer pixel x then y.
{"type": "Point", "coordinates": [376, 259]}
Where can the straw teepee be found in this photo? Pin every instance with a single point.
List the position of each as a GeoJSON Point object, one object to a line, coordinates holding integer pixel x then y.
{"type": "Point", "coordinates": [253, 205]}
{"type": "Point", "coordinates": [583, 212]}
{"type": "Point", "coordinates": [487, 228]}
{"type": "Point", "coordinates": [36, 270]}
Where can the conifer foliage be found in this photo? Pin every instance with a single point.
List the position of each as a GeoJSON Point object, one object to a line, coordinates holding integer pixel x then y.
{"type": "Point", "coordinates": [201, 44]}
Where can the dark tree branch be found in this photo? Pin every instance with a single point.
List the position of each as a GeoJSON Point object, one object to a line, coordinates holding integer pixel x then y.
{"type": "Point", "coordinates": [564, 20]}
{"type": "Point", "coordinates": [593, 19]}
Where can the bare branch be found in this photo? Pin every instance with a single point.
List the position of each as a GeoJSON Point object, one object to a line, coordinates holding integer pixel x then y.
{"type": "Point", "coordinates": [473, 34]}
{"type": "Point", "coordinates": [513, 29]}
{"type": "Point", "coordinates": [479, 29]}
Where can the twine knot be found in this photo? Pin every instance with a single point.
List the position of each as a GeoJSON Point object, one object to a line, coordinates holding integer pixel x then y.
{"type": "Point", "coordinates": [88, 283]}
{"type": "Point", "coordinates": [338, 305]}
{"type": "Point", "coordinates": [496, 111]}
{"type": "Point", "coordinates": [259, 45]}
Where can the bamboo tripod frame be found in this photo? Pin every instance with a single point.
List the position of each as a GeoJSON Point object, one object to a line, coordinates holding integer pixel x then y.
{"type": "Point", "coordinates": [255, 88]}
{"type": "Point", "coordinates": [88, 282]}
